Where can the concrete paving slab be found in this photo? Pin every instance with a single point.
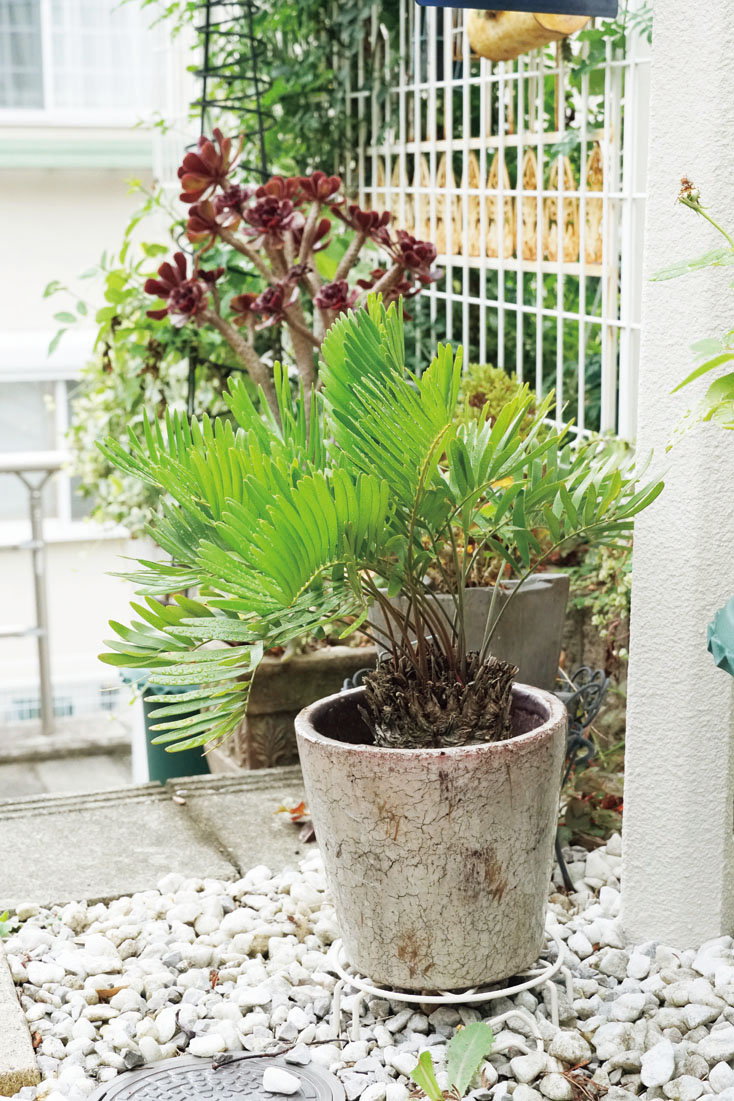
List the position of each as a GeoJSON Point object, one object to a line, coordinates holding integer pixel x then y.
{"type": "Point", "coordinates": [73, 735]}
{"type": "Point", "coordinates": [19, 780]}
{"type": "Point", "coordinates": [97, 846]}
{"type": "Point", "coordinates": [100, 846]}
{"type": "Point", "coordinates": [72, 775]}
{"type": "Point", "coordinates": [18, 1065]}
{"type": "Point", "coordinates": [241, 813]}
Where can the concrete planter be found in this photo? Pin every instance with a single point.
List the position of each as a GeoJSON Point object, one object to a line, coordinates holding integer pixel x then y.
{"type": "Point", "coordinates": [267, 738]}
{"type": "Point", "coordinates": [439, 860]}
{"type": "Point", "coordinates": [529, 634]}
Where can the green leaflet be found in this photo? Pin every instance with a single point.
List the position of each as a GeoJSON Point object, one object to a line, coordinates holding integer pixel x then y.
{"type": "Point", "coordinates": [424, 1076]}
{"type": "Point", "coordinates": [717, 258]}
{"type": "Point", "coordinates": [466, 1051]}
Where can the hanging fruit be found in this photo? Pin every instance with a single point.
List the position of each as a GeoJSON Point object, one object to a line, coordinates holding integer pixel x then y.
{"type": "Point", "coordinates": [606, 8]}
{"type": "Point", "coordinates": [504, 35]}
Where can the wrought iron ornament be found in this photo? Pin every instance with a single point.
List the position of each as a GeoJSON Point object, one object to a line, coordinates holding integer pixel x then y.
{"type": "Point", "coordinates": [225, 1078]}
{"type": "Point", "coordinates": [604, 8]}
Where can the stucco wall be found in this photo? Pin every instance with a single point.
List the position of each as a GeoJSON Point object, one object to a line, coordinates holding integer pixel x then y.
{"type": "Point", "coordinates": [82, 598]}
{"type": "Point", "coordinates": [678, 838]}
{"type": "Point", "coordinates": [56, 222]}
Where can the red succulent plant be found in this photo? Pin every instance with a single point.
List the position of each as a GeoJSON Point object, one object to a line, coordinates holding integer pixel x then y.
{"type": "Point", "coordinates": [269, 219]}
{"type": "Point", "coordinates": [336, 297]}
{"type": "Point", "coordinates": [203, 224]}
{"type": "Point", "coordinates": [368, 222]}
{"type": "Point", "coordinates": [274, 301]}
{"type": "Point", "coordinates": [281, 187]}
{"type": "Point", "coordinates": [416, 256]}
{"type": "Point", "coordinates": [278, 227]}
{"type": "Point", "coordinates": [320, 188]}
{"type": "Point", "coordinates": [185, 295]}
{"type": "Point", "coordinates": [241, 306]}
{"type": "Point", "coordinates": [208, 167]}
{"type": "Point", "coordinates": [229, 205]}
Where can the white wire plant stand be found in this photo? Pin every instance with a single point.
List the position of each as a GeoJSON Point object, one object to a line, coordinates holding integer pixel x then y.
{"type": "Point", "coordinates": [541, 975]}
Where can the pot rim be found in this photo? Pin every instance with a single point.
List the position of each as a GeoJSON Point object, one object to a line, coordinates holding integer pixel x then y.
{"type": "Point", "coordinates": [556, 714]}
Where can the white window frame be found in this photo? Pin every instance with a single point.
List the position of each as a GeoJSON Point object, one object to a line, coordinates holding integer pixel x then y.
{"type": "Point", "coordinates": [49, 115]}
{"type": "Point", "coordinates": [24, 358]}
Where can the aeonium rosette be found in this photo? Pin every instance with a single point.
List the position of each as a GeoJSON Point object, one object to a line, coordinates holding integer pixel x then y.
{"type": "Point", "coordinates": [274, 231]}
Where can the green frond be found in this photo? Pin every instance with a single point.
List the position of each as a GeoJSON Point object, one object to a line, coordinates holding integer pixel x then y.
{"type": "Point", "coordinates": [281, 525]}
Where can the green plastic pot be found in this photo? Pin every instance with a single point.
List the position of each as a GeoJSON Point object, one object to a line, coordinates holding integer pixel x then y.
{"type": "Point", "coordinates": [163, 766]}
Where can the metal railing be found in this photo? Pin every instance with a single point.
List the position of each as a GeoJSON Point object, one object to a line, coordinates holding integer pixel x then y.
{"type": "Point", "coordinates": [34, 469]}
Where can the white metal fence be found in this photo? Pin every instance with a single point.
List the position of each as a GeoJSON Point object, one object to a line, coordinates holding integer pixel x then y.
{"type": "Point", "coordinates": [529, 177]}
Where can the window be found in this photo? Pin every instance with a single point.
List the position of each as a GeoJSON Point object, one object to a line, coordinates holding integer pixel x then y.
{"type": "Point", "coordinates": [35, 402]}
{"type": "Point", "coordinates": [27, 423]}
{"type": "Point", "coordinates": [88, 59]}
{"type": "Point", "coordinates": [21, 64]}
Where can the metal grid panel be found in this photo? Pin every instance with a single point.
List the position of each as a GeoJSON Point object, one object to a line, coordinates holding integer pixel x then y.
{"type": "Point", "coordinates": [528, 176]}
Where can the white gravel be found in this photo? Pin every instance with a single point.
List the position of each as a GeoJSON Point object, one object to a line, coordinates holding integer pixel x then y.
{"type": "Point", "coordinates": [208, 967]}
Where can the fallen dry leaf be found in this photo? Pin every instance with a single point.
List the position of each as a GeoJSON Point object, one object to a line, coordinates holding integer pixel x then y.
{"type": "Point", "coordinates": [108, 992]}
{"type": "Point", "coordinates": [298, 814]}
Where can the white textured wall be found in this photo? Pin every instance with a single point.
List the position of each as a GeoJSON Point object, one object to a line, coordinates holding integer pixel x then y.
{"type": "Point", "coordinates": [82, 599]}
{"type": "Point", "coordinates": [678, 873]}
{"type": "Point", "coordinates": [56, 224]}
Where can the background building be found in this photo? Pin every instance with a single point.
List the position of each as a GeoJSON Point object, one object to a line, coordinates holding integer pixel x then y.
{"type": "Point", "coordinates": [79, 79]}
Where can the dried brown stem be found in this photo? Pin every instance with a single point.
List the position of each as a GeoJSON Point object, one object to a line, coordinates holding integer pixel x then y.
{"type": "Point", "coordinates": [349, 259]}
{"type": "Point", "coordinates": [245, 353]}
{"type": "Point", "coordinates": [389, 280]}
{"type": "Point", "coordinates": [246, 250]}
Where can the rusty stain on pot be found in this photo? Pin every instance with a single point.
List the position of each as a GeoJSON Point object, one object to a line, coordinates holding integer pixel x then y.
{"type": "Point", "coordinates": [482, 872]}
{"type": "Point", "coordinates": [410, 950]}
{"type": "Point", "coordinates": [390, 819]}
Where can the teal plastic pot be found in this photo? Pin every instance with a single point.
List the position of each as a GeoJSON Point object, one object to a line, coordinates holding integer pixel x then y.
{"type": "Point", "coordinates": [163, 766]}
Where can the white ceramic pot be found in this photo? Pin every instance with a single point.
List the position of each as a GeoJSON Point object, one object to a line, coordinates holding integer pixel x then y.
{"type": "Point", "coordinates": [439, 860]}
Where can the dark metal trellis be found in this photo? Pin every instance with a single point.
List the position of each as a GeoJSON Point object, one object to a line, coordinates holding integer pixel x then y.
{"type": "Point", "coordinates": [231, 76]}
{"type": "Point", "coordinates": [232, 81]}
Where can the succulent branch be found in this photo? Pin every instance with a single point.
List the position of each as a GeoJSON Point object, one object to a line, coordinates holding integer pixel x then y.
{"type": "Point", "coordinates": [279, 228]}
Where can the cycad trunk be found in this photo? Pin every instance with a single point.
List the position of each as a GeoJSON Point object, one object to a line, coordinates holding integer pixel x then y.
{"type": "Point", "coordinates": [442, 709]}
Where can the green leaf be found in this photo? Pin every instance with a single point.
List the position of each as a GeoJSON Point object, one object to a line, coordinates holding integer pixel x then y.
{"type": "Point", "coordinates": [424, 1077]}
{"type": "Point", "coordinates": [704, 368]}
{"type": "Point", "coordinates": [466, 1051]}
{"type": "Point", "coordinates": [55, 341]}
{"type": "Point", "coordinates": [65, 317]}
{"type": "Point", "coordinates": [717, 258]}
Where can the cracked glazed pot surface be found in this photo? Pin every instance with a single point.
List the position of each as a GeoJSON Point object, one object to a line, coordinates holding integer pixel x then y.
{"type": "Point", "coordinates": [439, 860]}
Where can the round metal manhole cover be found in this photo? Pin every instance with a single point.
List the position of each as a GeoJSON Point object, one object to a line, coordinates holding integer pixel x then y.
{"type": "Point", "coordinates": [188, 1078]}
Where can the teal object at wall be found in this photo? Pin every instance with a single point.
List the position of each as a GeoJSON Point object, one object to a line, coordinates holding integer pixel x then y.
{"type": "Point", "coordinates": [162, 765]}
{"type": "Point", "coordinates": [721, 637]}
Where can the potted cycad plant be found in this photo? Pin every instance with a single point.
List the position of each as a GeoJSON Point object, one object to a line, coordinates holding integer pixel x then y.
{"type": "Point", "coordinates": [529, 633]}
{"type": "Point", "coordinates": [433, 789]}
